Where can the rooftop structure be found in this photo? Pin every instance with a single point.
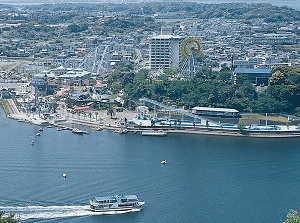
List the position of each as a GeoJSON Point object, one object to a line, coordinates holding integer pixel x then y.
{"type": "Point", "coordinates": [208, 111]}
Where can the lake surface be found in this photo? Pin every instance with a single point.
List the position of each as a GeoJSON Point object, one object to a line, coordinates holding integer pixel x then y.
{"type": "Point", "coordinates": [207, 178]}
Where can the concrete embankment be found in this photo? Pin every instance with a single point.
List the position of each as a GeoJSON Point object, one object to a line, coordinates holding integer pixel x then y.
{"type": "Point", "coordinates": [111, 124]}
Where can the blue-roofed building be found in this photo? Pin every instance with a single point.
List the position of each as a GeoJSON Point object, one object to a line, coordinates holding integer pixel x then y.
{"type": "Point", "coordinates": [256, 76]}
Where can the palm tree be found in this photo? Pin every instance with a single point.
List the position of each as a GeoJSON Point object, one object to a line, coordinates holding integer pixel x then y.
{"type": "Point", "coordinates": [111, 112]}
{"type": "Point", "coordinates": [84, 115]}
{"type": "Point", "coordinates": [54, 106]}
{"type": "Point", "coordinates": [96, 113]}
{"type": "Point", "coordinates": [90, 115]}
{"type": "Point", "coordinates": [63, 106]}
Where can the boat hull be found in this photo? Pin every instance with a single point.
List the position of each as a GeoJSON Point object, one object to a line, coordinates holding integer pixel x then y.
{"type": "Point", "coordinates": [116, 209]}
{"type": "Point", "coordinates": [153, 133]}
{"type": "Point", "coordinates": [79, 132]}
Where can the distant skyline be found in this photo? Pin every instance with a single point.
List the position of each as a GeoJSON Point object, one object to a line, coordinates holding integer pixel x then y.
{"type": "Point", "coordinates": [295, 4]}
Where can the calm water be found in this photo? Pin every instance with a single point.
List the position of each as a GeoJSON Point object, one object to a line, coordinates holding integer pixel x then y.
{"type": "Point", "coordinates": [207, 178]}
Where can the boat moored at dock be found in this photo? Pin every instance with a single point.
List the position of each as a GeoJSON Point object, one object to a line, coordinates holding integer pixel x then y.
{"type": "Point", "coordinates": [98, 128]}
{"type": "Point", "coordinates": [78, 131]}
{"type": "Point", "coordinates": [153, 133]}
{"type": "Point", "coordinates": [116, 203]}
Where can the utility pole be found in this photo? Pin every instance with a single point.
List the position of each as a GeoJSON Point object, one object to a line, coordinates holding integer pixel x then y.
{"type": "Point", "coordinates": [266, 121]}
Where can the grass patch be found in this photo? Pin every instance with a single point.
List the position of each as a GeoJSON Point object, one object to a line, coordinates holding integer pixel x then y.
{"type": "Point", "coordinates": [6, 107]}
{"type": "Point", "coordinates": [260, 116]}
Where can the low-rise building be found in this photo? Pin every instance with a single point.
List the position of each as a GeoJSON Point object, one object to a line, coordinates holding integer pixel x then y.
{"type": "Point", "coordinates": [256, 76]}
{"type": "Point", "coordinates": [219, 112]}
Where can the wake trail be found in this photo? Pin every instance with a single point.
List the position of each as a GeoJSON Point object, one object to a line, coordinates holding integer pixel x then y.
{"type": "Point", "coordinates": [50, 212]}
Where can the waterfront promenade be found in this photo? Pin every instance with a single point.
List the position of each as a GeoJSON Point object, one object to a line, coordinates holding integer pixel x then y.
{"type": "Point", "coordinates": [103, 120]}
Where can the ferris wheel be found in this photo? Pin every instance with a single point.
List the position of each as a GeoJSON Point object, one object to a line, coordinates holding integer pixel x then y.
{"type": "Point", "coordinates": [191, 46]}
{"type": "Point", "coordinates": [191, 49]}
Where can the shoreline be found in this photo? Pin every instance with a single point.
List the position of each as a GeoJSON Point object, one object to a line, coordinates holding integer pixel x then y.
{"type": "Point", "coordinates": [111, 124]}
{"type": "Point", "coordinates": [199, 131]}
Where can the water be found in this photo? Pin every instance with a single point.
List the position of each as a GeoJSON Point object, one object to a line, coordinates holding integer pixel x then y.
{"type": "Point", "coordinates": [207, 178]}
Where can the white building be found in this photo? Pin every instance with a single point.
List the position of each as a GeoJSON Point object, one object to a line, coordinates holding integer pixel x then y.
{"type": "Point", "coordinates": [274, 38]}
{"type": "Point", "coordinates": [165, 52]}
{"type": "Point", "coordinates": [249, 62]}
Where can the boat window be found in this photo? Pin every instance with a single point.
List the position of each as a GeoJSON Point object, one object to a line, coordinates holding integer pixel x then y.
{"type": "Point", "coordinates": [124, 200]}
{"type": "Point", "coordinates": [132, 200]}
{"type": "Point", "coordinates": [103, 201]}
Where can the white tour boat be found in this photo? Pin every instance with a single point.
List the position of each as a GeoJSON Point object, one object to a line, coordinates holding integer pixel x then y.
{"type": "Point", "coordinates": [115, 203]}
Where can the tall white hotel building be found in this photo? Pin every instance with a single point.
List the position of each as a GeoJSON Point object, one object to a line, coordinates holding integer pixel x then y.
{"type": "Point", "coordinates": [165, 51]}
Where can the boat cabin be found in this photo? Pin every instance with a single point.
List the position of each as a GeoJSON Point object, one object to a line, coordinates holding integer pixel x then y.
{"type": "Point", "coordinates": [116, 198]}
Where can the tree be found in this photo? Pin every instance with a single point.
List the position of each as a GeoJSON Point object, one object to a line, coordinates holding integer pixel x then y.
{"type": "Point", "coordinates": [11, 218]}
{"type": "Point", "coordinates": [241, 126]}
{"type": "Point", "coordinates": [292, 217]}
{"type": "Point", "coordinates": [96, 113]}
{"type": "Point", "coordinates": [111, 112]}
{"type": "Point", "coordinates": [277, 78]}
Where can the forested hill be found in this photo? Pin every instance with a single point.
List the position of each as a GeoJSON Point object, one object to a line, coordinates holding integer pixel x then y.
{"type": "Point", "coordinates": [243, 11]}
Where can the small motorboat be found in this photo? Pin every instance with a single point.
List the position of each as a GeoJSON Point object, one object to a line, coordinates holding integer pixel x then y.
{"type": "Point", "coordinates": [64, 175]}
{"type": "Point", "coordinates": [38, 134]}
{"type": "Point", "coordinates": [32, 142]}
{"type": "Point", "coordinates": [163, 162]}
{"type": "Point", "coordinates": [41, 129]}
{"type": "Point", "coordinates": [123, 131]}
{"type": "Point", "coordinates": [78, 131]}
{"type": "Point", "coordinates": [97, 128]}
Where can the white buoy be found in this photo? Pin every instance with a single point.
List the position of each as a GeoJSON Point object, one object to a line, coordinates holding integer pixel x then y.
{"type": "Point", "coordinates": [64, 175]}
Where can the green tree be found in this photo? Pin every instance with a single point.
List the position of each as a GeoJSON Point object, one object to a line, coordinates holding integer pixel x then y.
{"type": "Point", "coordinates": [277, 78]}
{"type": "Point", "coordinates": [292, 217]}
{"type": "Point", "coordinates": [241, 126]}
{"type": "Point", "coordinates": [11, 218]}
